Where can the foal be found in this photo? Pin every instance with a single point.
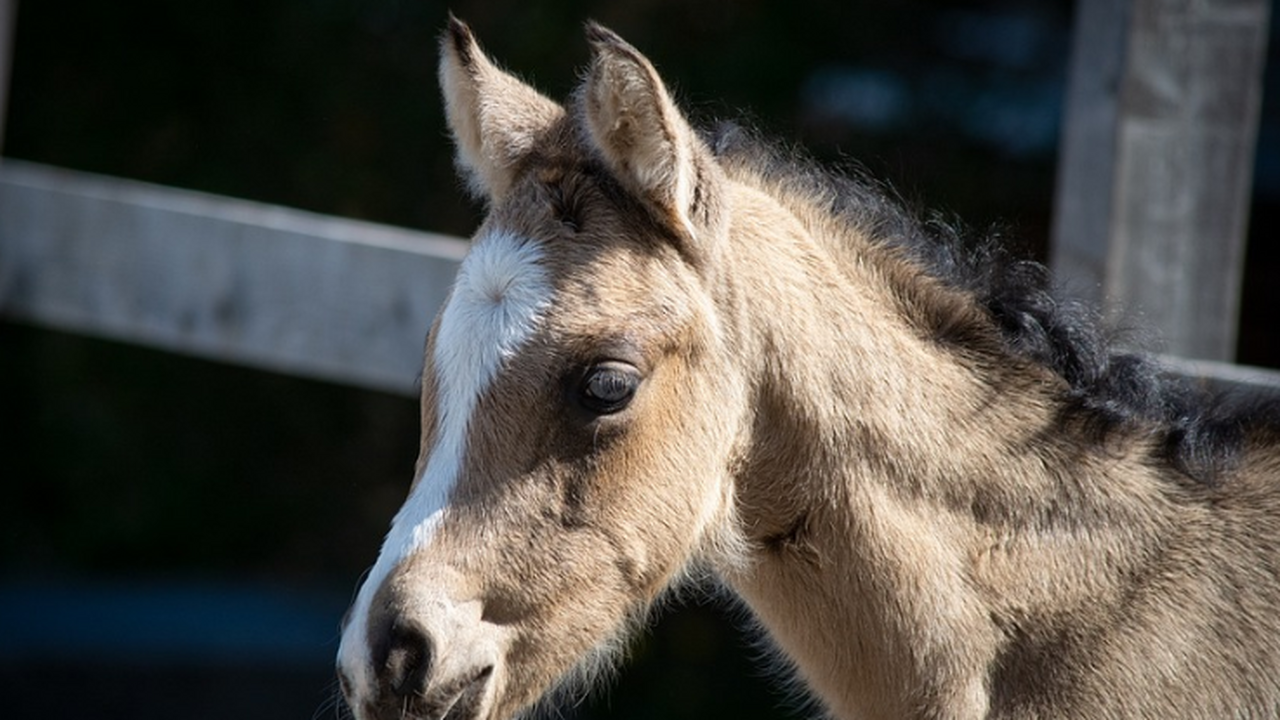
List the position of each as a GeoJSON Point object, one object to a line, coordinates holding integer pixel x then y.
{"type": "Point", "coordinates": [938, 491]}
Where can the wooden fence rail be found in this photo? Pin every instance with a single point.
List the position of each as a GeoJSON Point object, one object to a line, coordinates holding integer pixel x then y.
{"type": "Point", "coordinates": [224, 279]}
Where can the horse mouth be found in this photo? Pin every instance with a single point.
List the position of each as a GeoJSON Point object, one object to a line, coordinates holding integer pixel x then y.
{"type": "Point", "coordinates": [460, 700]}
{"type": "Point", "coordinates": [463, 699]}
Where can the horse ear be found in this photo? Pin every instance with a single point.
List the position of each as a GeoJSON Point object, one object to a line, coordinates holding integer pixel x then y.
{"type": "Point", "coordinates": [643, 137]}
{"type": "Point", "coordinates": [494, 117]}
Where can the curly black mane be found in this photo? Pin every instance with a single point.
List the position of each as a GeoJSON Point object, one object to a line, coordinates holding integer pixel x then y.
{"type": "Point", "coordinates": [1111, 391]}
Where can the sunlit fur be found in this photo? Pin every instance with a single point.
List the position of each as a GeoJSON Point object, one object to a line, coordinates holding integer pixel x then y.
{"type": "Point", "coordinates": [930, 480]}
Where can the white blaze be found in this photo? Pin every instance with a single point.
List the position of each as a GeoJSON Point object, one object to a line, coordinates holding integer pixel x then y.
{"type": "Point", "coordinates": [498, 298]}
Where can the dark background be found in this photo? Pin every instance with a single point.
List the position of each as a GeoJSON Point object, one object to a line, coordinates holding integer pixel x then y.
{"type": "Point", "coordinates": [179, 538]}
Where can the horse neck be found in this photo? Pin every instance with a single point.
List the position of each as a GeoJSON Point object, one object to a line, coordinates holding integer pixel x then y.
{"type": "Point", "coordinates": [883, 469]}
{"type": "Point", "coordinates": [849, 386]}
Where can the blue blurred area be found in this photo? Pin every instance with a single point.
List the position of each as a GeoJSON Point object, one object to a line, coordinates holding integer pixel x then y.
{"type": "Point", "coordinates": [131, 649]}
{"type": "Point", "coordinates": [157, 622]}
{"type": "Point", "coordinates": [997, 81]}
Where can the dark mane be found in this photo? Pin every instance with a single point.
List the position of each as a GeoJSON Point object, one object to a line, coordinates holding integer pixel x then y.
{"type": "Point", "coordinates": [1111, 392]}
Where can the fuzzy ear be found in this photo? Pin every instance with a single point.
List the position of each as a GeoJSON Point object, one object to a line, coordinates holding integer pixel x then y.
{"type": "Point", "coordinates": [643, 137]}
{"type": "Point", "coordinates": [493, 116]}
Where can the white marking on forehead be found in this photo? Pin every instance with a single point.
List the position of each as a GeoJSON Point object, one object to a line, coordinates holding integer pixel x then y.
{"type": "Point", "coordinates": [498, 298]}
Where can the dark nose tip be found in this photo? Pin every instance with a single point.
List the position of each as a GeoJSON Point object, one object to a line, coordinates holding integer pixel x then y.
{"type": "Point", "coordinates": [402, 658]}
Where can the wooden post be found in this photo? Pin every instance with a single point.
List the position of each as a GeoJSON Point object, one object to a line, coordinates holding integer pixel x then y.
{"type": "Point", "coordinates": [1082, 206]}
{"type": "Point", "coordinates": [1155, 178]}
{"type": "Point", "coordinates": [8, 18]}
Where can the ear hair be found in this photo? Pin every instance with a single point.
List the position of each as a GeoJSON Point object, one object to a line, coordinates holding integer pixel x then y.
{"type": "Point", "coordinates": [643, 137]}
{"type": "Point", "coordinates": [493, 116]}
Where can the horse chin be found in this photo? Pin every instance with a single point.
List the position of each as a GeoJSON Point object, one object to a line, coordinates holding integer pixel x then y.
{"type": "Point", "coordinates": [592, 670]}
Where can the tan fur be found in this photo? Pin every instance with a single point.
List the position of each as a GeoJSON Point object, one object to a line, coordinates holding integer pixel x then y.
{"type": "Point", "coordinates": [910, 524]}
{"type": "Point", "coordinates": [495, 118]}
{"type": "Point", "coordinates": [639, 131]}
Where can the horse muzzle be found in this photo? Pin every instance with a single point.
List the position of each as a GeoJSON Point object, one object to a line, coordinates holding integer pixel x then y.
{"type": "Point", "coordinates": [425, 658]}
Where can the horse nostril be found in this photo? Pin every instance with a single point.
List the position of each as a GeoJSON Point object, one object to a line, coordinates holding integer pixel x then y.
{"type": "Point", "coordinates": [408, 659]}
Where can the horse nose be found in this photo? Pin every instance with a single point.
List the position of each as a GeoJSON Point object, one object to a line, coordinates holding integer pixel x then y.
{"type": "Point", "coordinates": [412, 650]}
{"type": "Point", "coordinates": [402, 656]}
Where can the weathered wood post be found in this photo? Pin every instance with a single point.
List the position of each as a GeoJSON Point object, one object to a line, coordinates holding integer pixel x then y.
{"type": "Point", "coordinates": [1156, 163]}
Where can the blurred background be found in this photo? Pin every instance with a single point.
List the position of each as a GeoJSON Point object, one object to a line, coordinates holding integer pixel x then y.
{"type": "Point", "coordinates": [179, 538]}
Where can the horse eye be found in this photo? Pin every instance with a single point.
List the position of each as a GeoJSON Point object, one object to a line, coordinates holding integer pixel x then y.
{"type": "Point", "coordinates": [608, 388]}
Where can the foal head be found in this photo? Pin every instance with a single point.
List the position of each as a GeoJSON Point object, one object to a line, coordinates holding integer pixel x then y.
{"type": "Point", "coordinates": [580, 406]}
